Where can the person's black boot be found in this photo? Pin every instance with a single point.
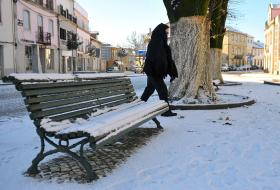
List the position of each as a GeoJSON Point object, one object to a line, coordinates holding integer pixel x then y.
{"type": "Point", "coordinates": [169, 113]}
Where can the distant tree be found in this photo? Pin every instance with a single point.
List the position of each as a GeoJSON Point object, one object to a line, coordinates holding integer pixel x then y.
{"type": "Point", "coordinates": [73, 44]}
{"type": "Point", "coordinates": [136, 41]}
{"type": "Point", "coordinates": [122, 53]}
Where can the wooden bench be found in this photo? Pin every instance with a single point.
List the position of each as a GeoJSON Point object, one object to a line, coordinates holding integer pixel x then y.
{"type": "Point", "coordinates": [94, 111]}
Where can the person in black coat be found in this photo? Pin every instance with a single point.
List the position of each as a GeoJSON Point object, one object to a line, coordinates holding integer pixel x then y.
{"type": "Point", "coordinates": [159, 64]}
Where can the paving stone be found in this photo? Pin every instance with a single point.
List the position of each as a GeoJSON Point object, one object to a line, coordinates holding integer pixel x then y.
{"type": "Point", "coordinates": [103, 161]}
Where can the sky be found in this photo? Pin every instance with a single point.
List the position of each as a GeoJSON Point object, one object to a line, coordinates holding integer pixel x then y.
{"type": "Point", "coordinates": [116, 20]}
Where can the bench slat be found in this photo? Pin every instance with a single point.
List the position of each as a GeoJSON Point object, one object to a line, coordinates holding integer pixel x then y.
{"type": "Point", "coordinates": [87, 111]}
{"type": "Point", "coordinates": [72, 100]}
{"type": "Point", "coordinates": [70, 89]}
{"type": "Point", "coordinates": [38, 99]}
{"type": "Point", "coordinates": [91, 104]}
{"type": "Point", "coordinates": [29, 86]}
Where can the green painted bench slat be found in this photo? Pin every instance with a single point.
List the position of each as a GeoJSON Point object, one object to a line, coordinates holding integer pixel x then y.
{"type": "Point", "coordinates": [92, 104]}
{"type": "Point", "coordinates": [58, 97]}
{"type": "Point", "coordinates": [69, 89]}
{"type": "Point", "coordinates": [65, 84]}
{"type": "Point", "coordinates": [72, 100]}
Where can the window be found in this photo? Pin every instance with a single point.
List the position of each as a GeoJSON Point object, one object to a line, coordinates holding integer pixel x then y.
{"type": "Point", "coordinates": [49, 4]}
{"type": "Point", "coordinates": [40, 23]}
{"type": "Point", "coordinates": [50, 59]}
{"type": "Point", "coordinates": [62, 34]}
{"type": "Point", "coordinates": [51, 27]}
{"type": "Point", "coordinates": [28, 58]}
{"type": "Point", "coordinates": [70, 35]}
{"type": "Point", "coordinates": [26, 20]}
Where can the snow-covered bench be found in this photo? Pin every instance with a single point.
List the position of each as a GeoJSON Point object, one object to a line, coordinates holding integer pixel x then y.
{"type": "Point", "coordinates": [71, 111]}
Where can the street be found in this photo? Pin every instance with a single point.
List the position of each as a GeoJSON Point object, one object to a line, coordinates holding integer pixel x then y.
{"type": "Point", "coordinates": [11, 102]}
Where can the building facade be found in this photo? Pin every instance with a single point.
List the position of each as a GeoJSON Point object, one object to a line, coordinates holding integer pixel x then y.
{"type": "Point", "coordinates": [258, 54]}
{"type": "Point", "coordinates": [272, 46]}
{"type": "Point", "coordinates": [7, 38]}
{"type": "Point", "coordinates": [67, 24]}
{"type": "Point", "coordinates": [36, 36]}
{"type": "Point", "coordinates": [98, 64]}
{"type": "Point", "coordinates": [84, 62]}
{"type": "Point", "coordinates": [237, 47]}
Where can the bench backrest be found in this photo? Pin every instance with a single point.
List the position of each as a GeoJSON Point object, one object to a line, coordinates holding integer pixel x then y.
{"type": "Point", "coordinates": [73, 99]}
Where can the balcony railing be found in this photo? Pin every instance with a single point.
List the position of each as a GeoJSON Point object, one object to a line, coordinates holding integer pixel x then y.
{"type": "Point", "coordinates": [44, 38]}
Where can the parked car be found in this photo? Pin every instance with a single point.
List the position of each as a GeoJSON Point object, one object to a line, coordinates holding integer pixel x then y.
{"type": "Point", "coordinates": [224, 68]}
{"type": "Point", "coordinates": [232, 68]}
{"type": "Point", "coordinates": [112, 69]}
{"type": "Point", "coordinates": [254, 67]}
{"type": "Point", "coordinates": [244, 67]}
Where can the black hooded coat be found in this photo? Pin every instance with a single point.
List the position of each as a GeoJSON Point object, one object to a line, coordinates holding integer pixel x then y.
{"type": "Point", "coordinates": [159, 63]}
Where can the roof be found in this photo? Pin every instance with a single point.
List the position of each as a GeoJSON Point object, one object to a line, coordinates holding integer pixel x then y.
{"type": "Point", "coordinates": [258, 45]}
{"type": "Point", "coordinates": [231, 29]}
{"type": "Point", "coordinates": [275, 6]}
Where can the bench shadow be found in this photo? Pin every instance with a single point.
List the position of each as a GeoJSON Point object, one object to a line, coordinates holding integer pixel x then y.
{"type": "Point", "coordinates": [103, 160]}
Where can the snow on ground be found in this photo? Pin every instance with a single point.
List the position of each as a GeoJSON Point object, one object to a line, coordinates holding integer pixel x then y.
{"type": "Point", "coordinates": [229, 149]}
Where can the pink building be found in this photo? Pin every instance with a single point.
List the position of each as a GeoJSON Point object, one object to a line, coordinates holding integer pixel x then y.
{"type": "Point", "coordinates": [37, 37]}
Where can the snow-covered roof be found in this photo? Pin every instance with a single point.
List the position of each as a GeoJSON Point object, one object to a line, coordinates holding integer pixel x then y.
{"type": "Point", "coordinates": [258, 45]}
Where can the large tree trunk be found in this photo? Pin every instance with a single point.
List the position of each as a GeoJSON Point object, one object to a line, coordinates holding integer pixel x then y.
{"type": "Point", "coordinates": [190, 49]}
{"type": "Point", "coordinates": [216, 59]}
{"type": "Point", "coordinates": [218, 14]}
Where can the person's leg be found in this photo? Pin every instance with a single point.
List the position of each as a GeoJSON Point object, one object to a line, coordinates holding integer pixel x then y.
{"type": "Point", "coordinates": [162, 90]}
{"type": "Point", "coordinates": [149, 90]}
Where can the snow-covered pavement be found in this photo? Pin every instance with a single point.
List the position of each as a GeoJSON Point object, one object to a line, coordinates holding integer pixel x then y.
{"type": "Point", "coordinates": [233, 149]}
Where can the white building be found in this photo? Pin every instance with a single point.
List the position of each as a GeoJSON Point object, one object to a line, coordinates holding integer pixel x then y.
{"type": "Point", "coordinates": [67, 30]}
{"type": "Point", "coordinates": [7, 42]}
{"type": "Point", "coordinates": [83, 61]}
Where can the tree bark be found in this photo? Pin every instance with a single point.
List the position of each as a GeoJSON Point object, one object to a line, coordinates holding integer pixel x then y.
{"type": "Point", "coordinates": [218, 15]}
{"type": "Point", "coordinates": [190, 49]}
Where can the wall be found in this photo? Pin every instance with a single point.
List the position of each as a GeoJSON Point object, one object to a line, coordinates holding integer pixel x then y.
{"type": "Point", "coordinates": [34, 12]}
{"type": "Point", "coordinates": [6, 38]}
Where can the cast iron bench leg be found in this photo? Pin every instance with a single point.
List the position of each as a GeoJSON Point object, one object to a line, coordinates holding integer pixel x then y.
{"type": "Point", "coordinates": [157, 123]}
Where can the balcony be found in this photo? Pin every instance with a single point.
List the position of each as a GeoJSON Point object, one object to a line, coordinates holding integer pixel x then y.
{"type": "Point", "coordinates": [44, 38]}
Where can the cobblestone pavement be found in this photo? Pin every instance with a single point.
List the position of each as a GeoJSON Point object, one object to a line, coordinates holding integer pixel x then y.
{"type": "Point", "coordinates": [103, 161]}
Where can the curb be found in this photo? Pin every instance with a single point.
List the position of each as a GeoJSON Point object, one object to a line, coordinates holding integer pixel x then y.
{"type": "Point", "coordinates": [272, 83]}
{"type": "Point", "coordinates": [213, 106]}
{"type": "Point", "coordinates": [5, 84]}
{"type": "Point", "coordinates": [230, 84]}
